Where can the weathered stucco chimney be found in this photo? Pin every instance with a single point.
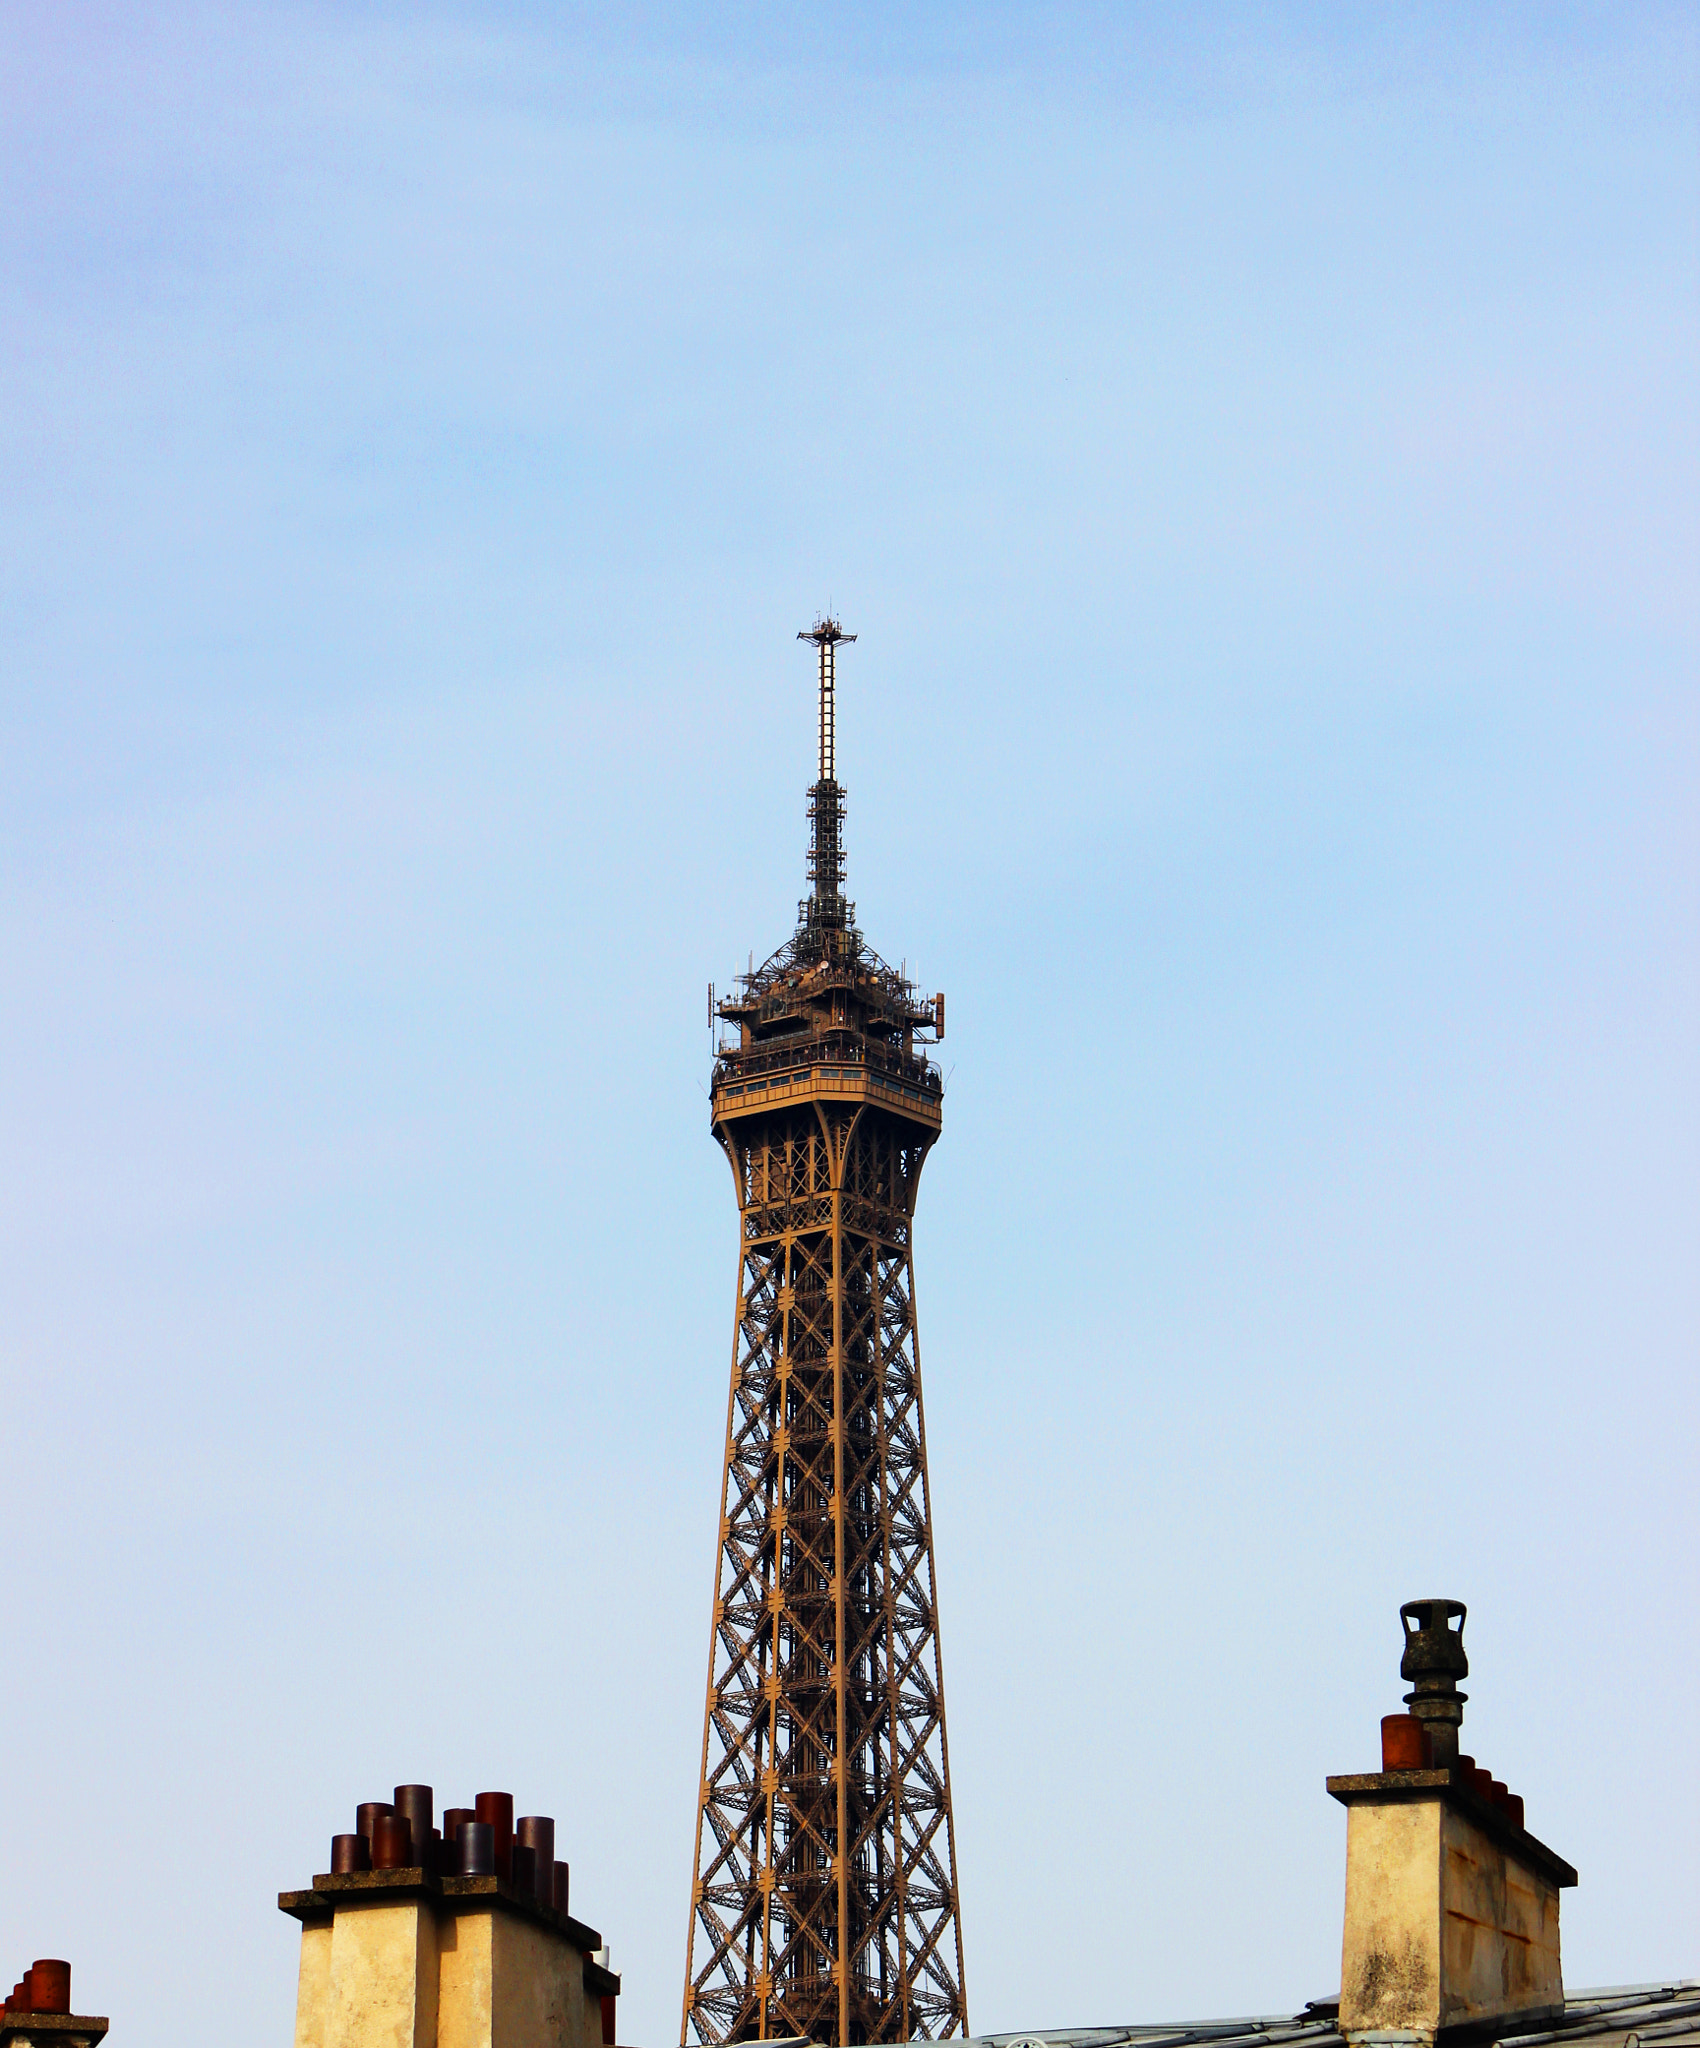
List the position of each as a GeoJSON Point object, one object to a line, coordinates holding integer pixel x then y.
{"type": "Point", "coordinates": [1451, 1905]}
{"type": "Point", "coordinates": [465, 1943]}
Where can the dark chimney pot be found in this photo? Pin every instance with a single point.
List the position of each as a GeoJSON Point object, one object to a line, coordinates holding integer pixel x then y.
{"type": "Point", "coordinates": [537, 1832]}
{"type": "Point", "coordinates": [475, 1844]}
{"type": "Point", "coordinates": [560, 1887]}
{"type": "Point", "coordinates": [417, 1803]}
{"type": "Point", "coordinates": [350, 1853]}
{"type": "Point", "coordinates": [523, 1866]}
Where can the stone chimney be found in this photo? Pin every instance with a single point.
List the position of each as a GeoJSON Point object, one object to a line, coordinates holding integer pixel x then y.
{"type": "Point", "coordinates": [1451, 1904]}
{"type": "Point", "coordinates": [411, 1940]}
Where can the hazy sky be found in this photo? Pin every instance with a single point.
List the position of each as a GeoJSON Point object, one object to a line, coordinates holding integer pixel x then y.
{"type": "Point", "coordinates": [1258, 451]}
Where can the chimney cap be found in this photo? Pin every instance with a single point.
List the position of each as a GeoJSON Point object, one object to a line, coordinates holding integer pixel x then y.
{"type": "Point", "coordinates": [1433, 1647]}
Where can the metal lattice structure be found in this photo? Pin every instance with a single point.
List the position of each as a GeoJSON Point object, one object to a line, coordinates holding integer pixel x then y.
{"type": "Point", "coordinates": [825, 1901]}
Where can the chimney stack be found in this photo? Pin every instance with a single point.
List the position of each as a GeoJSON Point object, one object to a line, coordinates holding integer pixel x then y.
{"type": "Point", "coordinates": [1451, 1905]}
{"type": "Point", "coordinates": [38, 2012]}
{"type": "Point", "coordinates": [472, 1947]}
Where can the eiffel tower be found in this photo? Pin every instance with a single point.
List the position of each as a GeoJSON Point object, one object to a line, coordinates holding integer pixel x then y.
{"type": "Point", "coordinates": [825, 1902]}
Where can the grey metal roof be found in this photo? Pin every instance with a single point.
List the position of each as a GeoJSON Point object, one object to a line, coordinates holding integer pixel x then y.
{"type": "Point", "coordinates": [1623, 2016]}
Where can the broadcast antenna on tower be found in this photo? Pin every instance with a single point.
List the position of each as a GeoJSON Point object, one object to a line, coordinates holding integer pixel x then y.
{"type": "Point", "coordinates": [826, 799]}
{"type": "Point", "coordinates": [827, 634]}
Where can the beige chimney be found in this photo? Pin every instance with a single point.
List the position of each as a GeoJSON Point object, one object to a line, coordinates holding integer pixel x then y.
{"type": "Point", "coordinates": [1451, 1905]}
{"type": "Point", "coordinates": [423, 1957]}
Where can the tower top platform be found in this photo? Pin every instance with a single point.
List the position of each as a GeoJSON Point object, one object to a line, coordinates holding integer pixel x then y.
{"type": "Point", "coordinates": [825, 1014]}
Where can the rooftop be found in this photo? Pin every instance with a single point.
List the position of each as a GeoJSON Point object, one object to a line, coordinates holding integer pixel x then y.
{"type": "Point", "coordinates": [1622, 2016]}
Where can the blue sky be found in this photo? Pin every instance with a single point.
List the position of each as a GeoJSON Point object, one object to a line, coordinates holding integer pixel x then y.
{"type": "Point", "coordinates": [1257, 451]}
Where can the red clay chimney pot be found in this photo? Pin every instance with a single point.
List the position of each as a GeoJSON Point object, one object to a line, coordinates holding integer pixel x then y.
{"type": "Point", "coordinates": [392, 1842]}
{"type": "Point", "coordinates": [366, 1816]}
{"type": "Point", "coordinates": [497, 1808]}
{"type": "Point", "coordinates": [1404, 1743]}
{"type": "Point", "coordinates": [50, 1985]}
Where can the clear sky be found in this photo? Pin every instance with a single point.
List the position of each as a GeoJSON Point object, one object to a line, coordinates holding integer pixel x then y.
{"type": "Point", "coordinates": [1257, 449]}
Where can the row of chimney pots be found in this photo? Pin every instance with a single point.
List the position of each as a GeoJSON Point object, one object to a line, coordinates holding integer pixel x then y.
{"type": "Point", "coordinates": [481, 1840]}
{"type": "Point", "coordinates": [44, 1987]}
{"type": "Point", "coordinates": [1406, 1746]}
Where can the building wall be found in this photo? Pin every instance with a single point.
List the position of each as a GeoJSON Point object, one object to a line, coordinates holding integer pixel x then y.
{"type": "Point", "coordinates": [1442, 1925]}
{"type": "Point", "coordinates": [313, 1986]}
{"type": "Point", "coordinates": [1390, 1957]}
{"type": "Point", "coordinates": [1501, 1930]}
{"type": "Point", "coordinates": [410, 1975]}
{"type": "Point", "coordinates": [383, 1977]}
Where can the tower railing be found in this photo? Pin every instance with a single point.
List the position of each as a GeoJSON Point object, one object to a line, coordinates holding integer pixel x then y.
{"type": "Point", "coordinates": [841, 1050]}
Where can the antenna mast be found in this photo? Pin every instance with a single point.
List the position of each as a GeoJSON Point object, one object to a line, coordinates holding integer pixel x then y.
{"type": "Point", "coordinates": [826, 799]}
{"type": "Point", "coordinates": [826, 633]}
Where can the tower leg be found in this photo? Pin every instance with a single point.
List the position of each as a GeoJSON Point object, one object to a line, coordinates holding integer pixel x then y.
{"type": "Point", "coordinates": [825, 1898]}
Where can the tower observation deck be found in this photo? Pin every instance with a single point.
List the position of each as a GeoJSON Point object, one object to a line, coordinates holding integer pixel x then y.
{"type": "Point", "coordinates": [825, 1900]}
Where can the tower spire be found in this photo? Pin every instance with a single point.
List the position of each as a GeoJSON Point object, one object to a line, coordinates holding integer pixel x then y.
{"type": "Point", "coordinates": [824, 910]}
{"type": "Point", "coordinates": [827, 634]}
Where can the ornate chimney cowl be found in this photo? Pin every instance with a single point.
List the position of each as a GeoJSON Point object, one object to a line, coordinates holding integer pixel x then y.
{"type": "Point", "coordinates": [1434, 1661]}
